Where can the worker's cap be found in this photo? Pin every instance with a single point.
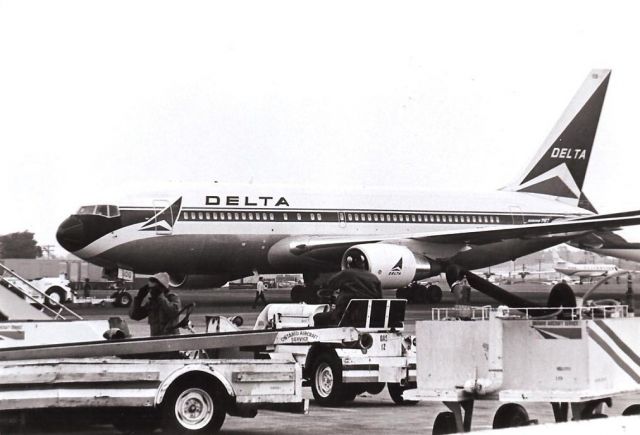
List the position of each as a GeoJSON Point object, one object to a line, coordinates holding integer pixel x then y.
{"type": "Point", "coordinates": [162, 278]}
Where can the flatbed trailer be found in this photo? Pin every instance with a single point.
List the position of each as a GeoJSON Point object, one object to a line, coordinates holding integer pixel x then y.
{"type": "Point", "coordinates": [182, 396]}
{"type": "Point", "coordinates": [339, 370]}
{"type": "Point", "coordinates": [576, 359]}
{"type": "Point", "coordinates": [122, 377]}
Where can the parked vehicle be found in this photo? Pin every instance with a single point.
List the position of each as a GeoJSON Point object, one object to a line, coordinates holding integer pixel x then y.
{"type": "Point", "coordinates": [56, 288]}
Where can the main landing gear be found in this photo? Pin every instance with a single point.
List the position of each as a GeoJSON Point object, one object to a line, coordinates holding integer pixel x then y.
{"type": "Point", "coordinates": [306, 294]}
{"type": "Point", "coordinates": [416, 293]}
{"type": "Point", "coordinates": [561, 294]}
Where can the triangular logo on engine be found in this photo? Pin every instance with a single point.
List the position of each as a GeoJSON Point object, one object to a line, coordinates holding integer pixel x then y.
{"type": "Point", "coordinates": [398, 266]}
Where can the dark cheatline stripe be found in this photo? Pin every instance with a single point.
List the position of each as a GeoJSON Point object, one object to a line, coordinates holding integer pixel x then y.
{"type": "Point", "coordinates": [618, 341]}
{"type": "Point", "coordinates": [624, 366]}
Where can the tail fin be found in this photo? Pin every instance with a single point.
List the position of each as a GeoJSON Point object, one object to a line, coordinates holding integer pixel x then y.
{"type": "Point", "coordinates": [556, 258]}
{"type": "Point", "coordinates": [560, 165]}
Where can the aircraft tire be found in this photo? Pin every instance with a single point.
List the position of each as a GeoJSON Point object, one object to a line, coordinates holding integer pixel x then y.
{"type": "Point", "coordinates": [420, 294]}
{"type": "Point", "coordinates": [124, 299]}
{"type": "Point", "coordinates": [297, 293]}
{"type": "Point", "coordinates": [434, 294]}
{"type": "Point", "coordinates": [561, 295]}
{"type": "Point", "coordinates": [403, 293]}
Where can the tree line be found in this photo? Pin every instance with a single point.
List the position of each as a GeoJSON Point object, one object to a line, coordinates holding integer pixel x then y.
{"type": "Point", "coordinates": [19, 245]}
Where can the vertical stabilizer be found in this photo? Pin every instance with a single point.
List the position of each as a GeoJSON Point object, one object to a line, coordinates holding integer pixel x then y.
{"type": "Point", "coordinates": [559, 168]}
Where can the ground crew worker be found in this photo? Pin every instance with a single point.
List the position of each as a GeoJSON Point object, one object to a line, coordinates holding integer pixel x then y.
{"type": "Point", "coordinates": [462, 291]}
{"type": "Point", "coordinates": [86, 288]}
{"type": "Point", "coordinates": [351, 283]}
{"type": "Point", "coordinates": [162, 308]}
{"type": "Point", "coordinates": [260, 292]}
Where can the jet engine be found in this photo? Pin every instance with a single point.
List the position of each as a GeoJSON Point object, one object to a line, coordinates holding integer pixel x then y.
{"type": "Point", "coordinates": [184, 281]}
{"type": "Point", "coordinates": [395, 265]}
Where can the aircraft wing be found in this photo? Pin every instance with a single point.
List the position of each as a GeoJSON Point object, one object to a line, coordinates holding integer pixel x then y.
{"type": "Point", "coordinates": [478, 236]}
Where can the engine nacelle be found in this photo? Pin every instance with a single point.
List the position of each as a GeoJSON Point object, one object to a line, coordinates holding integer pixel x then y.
{"type": "Point", "coordinates": [394, 265]}
{"type": "Point", "coordinates": [193, 282]}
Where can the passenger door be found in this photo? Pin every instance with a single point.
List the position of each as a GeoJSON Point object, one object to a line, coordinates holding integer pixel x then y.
{"type": "Point", "coordinates": [342, 219]}
{"type": "Point", "coordinates": [516, 215]}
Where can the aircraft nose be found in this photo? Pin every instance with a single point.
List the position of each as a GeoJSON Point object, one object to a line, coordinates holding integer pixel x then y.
{"type": "Point", "coordinates": [71, 234]}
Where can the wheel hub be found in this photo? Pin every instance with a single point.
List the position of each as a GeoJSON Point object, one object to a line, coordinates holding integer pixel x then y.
{"type": "Point", "coordinates": [324, 380]}
{"type": "Point", "coordinates": [194, 408]}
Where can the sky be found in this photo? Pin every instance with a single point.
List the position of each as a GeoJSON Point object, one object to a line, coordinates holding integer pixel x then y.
{"type": "Point", "coordinates": [96, 97]}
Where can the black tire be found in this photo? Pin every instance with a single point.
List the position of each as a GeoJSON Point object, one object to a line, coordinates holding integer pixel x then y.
{"type": "Point", "coordinates": [445, 423]}
{"type": "Point", "coordinates": [561, 295]}
{"type": "Point", "coordinates": [403, 293]}
{"type": "Point", "coordinates": [194, 406]}
{"type": "Point", "coordinates": [420, 295]}
{"type": "Point", "coordinates": [375, 388]}
{"type": "Point", "coordinates": [57, 294]}
{"type": "Point", "coordinates": [297, 293]}
{"type": "Point", "coordinates": [124, 299]}
{"type": "Point", "coordinates": [395, 392]}
{"type": "Point", "coordinates": [510, 415]}
{"type": "Point", "coordinates": [115, 302]}
{"type": "Point", "coordinates": [632, 410]}
{"type": "Point", "coordinates": [434, 294]}
{"type": "Point", "coordinates": [326, 380]}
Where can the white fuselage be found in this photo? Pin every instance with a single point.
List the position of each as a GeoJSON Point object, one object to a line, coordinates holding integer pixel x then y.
{"type": "Point", "coordinates": [585, 270]}
{"type": "Point", "coordinates": [237, 228]}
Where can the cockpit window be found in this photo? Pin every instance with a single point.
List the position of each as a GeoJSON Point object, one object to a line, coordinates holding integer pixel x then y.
{"type": "Point", "coordinates": [100, 210]}
{"type": "Point", "coordinates": [114, 211]}
{"type": "Point", "coordinates": [87, 209]}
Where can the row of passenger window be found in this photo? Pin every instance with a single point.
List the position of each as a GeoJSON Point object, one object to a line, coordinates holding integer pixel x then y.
{"type": "Point", "coordinates": [350, 217]}
{"type": "Point", "coordinates": [393, 217]}
{"type": "Point", "coordinates": [237, 216]}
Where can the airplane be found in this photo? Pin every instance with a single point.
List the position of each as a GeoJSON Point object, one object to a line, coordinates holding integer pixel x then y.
{"type": "Point", "coordinates": [582, 270]}
{"type": "Point", "coordinates": [209, 233]}
{"type": "Point", "coordinates": [609, 244]}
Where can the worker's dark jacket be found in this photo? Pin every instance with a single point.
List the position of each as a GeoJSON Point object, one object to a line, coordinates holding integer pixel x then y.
{"type": "Point", "coordinates": [162, 311]}
{"type": "Point", "coordinates": [354, 284]}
